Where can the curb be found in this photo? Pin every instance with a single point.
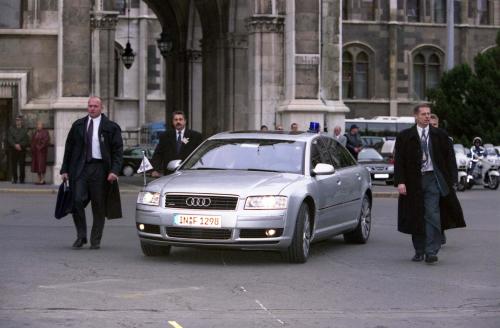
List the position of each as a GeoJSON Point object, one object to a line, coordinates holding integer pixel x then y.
{"type": "Point", "coordinates": [376, 194]}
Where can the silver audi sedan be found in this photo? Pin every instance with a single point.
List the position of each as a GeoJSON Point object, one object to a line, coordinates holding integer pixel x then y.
{"type": "Point", "coordinates": [257, 190]}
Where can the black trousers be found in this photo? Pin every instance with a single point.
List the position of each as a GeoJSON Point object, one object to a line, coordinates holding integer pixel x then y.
{"type": "Point", "coordinates": [90, 186]}
{"type": "Point", "coordinates": [17, 159]}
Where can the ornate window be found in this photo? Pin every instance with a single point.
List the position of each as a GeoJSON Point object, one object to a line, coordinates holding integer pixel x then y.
{"type": "Point", "coordinates": [440, 11]}
{"type": "Point", "coordinates": [426, 71]}
{"type": "Point", "coordinates": [356, 73]}
{"type": "Point", "coordinates": [483, 12]}
{"type": "Point", "coordinates": [11, 14]}
{"type": "Point", "coordinates": [413, 10]}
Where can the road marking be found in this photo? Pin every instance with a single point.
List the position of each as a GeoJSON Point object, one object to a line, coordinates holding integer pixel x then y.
{"type": "Point", "coordinates": [174, 324]}
{"type": "Point", "coordinates": [269, 312]}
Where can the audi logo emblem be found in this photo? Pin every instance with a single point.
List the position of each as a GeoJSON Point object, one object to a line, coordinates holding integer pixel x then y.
{"type": "Point", "coordinates": [198, 201]}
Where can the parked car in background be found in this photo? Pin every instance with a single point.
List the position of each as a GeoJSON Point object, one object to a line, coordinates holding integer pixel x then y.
{"type": "Point", "coordinates": [497, 149]}
{"type": "Point", "coordinates": [132, 158]}
{"type": "Point", "coordinates": [257, 190]}
{"type": "Point", "coordinates": [491, 154]}
{"type": "Point", "coordinates": [379, 168]}
{"type": "Point", "coordinates": [461, 157]}
{"type": "Point", "coordinates": [387, 150]}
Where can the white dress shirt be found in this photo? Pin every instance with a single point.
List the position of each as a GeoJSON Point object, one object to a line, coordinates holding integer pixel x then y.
{"type": "Point", "coordinates": [96, 147]}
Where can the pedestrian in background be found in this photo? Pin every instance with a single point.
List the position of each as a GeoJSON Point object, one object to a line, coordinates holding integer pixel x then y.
{"type": "Point", "coordinates": [294, 127]}
{"type": "Point", "coordinates": [434, 120]}
{"type": "Point", "coordinates": [337, 134]}
{"type": "Point", "coordinates": [424, 173]}
{"type": "Point", "coordinates": [93, 157]}
{"type": "Point", "coordinates": [353, 141]}
{"type": "Point", "coordinates": [174, 144]}
{"type": "Point", "coordinates": [39, 146]}
{"type": "Point", "coordinates": [18, 141]}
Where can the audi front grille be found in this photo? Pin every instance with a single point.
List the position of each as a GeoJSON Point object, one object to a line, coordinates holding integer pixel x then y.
{"type": "Point", "coordinates": [201, 202]}
{"type": "Point", "coordinates": [198, 233]}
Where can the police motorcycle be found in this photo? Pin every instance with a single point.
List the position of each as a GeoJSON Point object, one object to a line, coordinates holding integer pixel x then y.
{"type": "Point", "coordinates": [482, 171]}
{"type": "Point", "coordinates": [462, 166]}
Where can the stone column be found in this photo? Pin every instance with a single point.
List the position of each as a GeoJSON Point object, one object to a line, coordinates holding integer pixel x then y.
{"type": "Point", "coordinates": [393, 58]}
{"type": "Point", "coordinates": [265, 69]}
{"type": "Point", "coordinates": [313, 48]}
{"type": "Point", "coordinates": [103, 26]}
{"type": "Point", "coordinates": [195, 109]}
{"type": "Point", "coordinates": [236, 115]}
{"type": "Point", "coordinates": [141, 58]}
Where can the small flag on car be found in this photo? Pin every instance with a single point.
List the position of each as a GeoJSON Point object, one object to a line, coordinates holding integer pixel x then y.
{"type": "Point", "coordinates": [145, 165]}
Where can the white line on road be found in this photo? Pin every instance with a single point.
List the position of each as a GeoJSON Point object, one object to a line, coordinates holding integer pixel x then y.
{"type": "Point", "coordinates": [269, 312]}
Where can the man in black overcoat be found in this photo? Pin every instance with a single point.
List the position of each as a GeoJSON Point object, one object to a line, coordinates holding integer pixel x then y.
{"type": "Point", "coordinates": [93, 157]}
{"type": "Point", "coordinates": [174, 144]}
{"type": "Point", "coordinates": [425, 171]}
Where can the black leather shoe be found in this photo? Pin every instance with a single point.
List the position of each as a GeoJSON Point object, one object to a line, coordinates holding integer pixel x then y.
{"type": "Point", "coordinates": [79, 242]}
{"type": "Point", "coordinates": [431, 259]}
{"type": "Point", "coordinates": [418, 258]}
{"type": "Point", "coordinates": [95, 246]}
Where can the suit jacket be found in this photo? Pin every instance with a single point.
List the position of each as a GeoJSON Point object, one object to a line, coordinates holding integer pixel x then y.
{"type": "Point", "coordinates": [407, 170]}
{"type": "Point", "coordinates": [166, 149]}
{"type": "Point", "coordinates": [110, 141]}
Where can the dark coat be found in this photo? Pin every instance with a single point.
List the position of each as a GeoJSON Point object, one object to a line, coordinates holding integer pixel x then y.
{"type": "Point", "coordinates": [111, 144]}
{"type": "Point", "coordinates": [39, 146]}
{"type": "Point", "coordinates": [166, 149]}
{"type": "Point", "coordinates": [407, 170]}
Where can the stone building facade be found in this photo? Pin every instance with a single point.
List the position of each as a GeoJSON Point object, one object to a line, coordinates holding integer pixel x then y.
{"type": "Point", "coordinates": [394, 50]}
{"type": "Point", "coordinates": [233, 64]}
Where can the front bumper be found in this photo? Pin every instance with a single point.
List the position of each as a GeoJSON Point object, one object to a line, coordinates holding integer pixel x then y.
{"type": "Point", "coordinates": [240, 229]}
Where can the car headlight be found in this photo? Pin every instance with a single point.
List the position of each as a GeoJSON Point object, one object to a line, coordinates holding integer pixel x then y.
{"type": "Point", "coordinates": [265, 203]}
{"type": "Point", "coordinates": [148, 198]}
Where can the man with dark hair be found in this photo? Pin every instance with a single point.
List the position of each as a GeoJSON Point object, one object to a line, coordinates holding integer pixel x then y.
{"type": "Point", "coordinates": [424, 173]}
{"type": "Point", "coordinates": [353, 142]}
{"type": "Point", "coordinates": [174, 144]}
{"type": "Point", "coordinates": [18, 140]}
{"type": "Point", "coordinates": [93, 158]}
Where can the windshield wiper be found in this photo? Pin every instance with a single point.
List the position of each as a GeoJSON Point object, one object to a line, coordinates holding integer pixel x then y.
{"type": "Point", "coordinates": [262, 170]}
{"type": "Point", "coordinates": [207, 168]}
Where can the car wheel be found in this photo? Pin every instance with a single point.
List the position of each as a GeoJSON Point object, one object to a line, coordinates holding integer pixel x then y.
{"type": "Point", "coordinates": [298, 251]}
{"type": "Point", "coordinates": [128, 171]}
{"type": "Point", "coordinates": [361, 234]}
{"type": "Point", "coordinates": [154, 250]}
{"type": "Point", "coordinates": [493, 182]}
{"type": "Point", "coordinates": [462, 184]}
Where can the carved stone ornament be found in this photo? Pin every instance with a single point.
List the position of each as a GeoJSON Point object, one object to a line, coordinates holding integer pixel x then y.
{"type": "Point", "coordinates": [103, 20]}
{"type": "Point", "coordinates": [266, 24]}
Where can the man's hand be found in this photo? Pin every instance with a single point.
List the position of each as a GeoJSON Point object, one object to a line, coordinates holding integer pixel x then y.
{"type": "Point", "coordinates": [18, 147]}
{"type": "Point", "coordinates": [112, 177]}
{"type": "Point", "coordinates": [155, 174]}
{"type": "Point", "coordinates": [64, 176]}
{"type": "Point", "coordinates": [402, 189]}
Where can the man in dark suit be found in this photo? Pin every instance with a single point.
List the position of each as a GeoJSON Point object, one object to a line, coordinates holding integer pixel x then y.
{"type": "Point", "coordinates": [424, 173]}
{"type": "Point", "coordinates": [174, 144]}
{"type": "Point", "coordinates": [93, 158]}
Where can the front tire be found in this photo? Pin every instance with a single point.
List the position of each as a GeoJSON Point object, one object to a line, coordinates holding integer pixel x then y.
{"type": "Point", "coordinates": [154, 250]}
{"type": "Point", "coordinates": [361, 234]}
{"type": "Point", "coordinates": [298, 251]}
{"type": "Point", "coordinates": [128, 171]}
{"type": "Point", "coordinates": [462, 184]}
{"type": "Point", "coordinates": [493, 182]}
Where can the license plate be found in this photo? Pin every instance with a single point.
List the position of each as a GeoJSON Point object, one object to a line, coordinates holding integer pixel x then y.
{"type": "Point", "coordinates": [381, 176]}
{"type": "Point", "coordinates": [207, 221]}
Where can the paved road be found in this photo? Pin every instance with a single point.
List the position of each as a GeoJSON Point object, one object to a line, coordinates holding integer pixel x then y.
{"type": "Point", "coordinates": [46, 284]}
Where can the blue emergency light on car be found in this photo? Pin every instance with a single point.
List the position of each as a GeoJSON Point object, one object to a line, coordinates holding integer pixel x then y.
{"type": "Point", "coordinates": [314, 127]}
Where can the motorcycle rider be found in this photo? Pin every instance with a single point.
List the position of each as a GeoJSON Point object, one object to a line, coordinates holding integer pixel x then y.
{"type": "Point", "coordinates": [477, 150]}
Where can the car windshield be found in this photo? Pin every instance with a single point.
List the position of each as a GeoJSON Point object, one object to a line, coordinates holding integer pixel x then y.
{"type": "Point", "coordinates": [459, 148]}
{"type": "Point", "coordinates": [369, 154]}
{"type": "Point", "coordinates": [248, 154]}
{"type": "Point", "coordinates": [491, 151]}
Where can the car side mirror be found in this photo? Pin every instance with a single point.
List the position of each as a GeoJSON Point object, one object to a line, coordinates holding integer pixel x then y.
{"type": "Point", "coordinates": [323, 169]}
{"type": "Point", "coordinates": [173, 165]}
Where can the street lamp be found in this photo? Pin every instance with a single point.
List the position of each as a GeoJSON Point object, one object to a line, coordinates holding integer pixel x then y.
{"type": "Point", "coordinates": [165, 44]}
{"type": "Point", "coordinates": [128, 54]}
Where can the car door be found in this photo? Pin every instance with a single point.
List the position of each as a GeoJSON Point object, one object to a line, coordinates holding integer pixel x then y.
{"type": "Point", "coordinates": [351, 176]}
{"type": "Point", "coordinates": [329, 188]}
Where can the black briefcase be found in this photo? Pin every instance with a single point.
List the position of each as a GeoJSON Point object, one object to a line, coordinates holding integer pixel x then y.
{"type": "Point", "coordinates": [64, 204]}
{"type": "Point", "coordinates": [113, 202]}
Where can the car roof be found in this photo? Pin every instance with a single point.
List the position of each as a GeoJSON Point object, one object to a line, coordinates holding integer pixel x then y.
{"type": "Point", "coordinates": [268, 135]}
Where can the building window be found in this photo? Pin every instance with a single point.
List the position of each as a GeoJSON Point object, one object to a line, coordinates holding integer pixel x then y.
{"type": "Point", "coordinates": [413, 10]}
{"type": "Point", "coordinates": [345, 11]}
{"type": "Point", "coordinates": [355, 73]}
{"type": "Point", "coordinates": [11, 14]}
{"type": "Point", "coordinates": [457, 15]}
{"type": "Point", "coordinates": [368, 10]}
{"type": "Point", "coordinates": [347, 75]}
{"type": "Point", "coordinates": [121, 6]}
{"type": "Point", "coordinates": [483, 12]}
{"type": "Point", "coordinates": [440, 11]}
{"type": "Point", "coordinates": [426, 72]}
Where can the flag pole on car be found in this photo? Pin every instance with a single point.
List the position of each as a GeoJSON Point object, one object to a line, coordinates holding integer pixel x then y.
{"type": "Point", "coordinates": [145, 166]}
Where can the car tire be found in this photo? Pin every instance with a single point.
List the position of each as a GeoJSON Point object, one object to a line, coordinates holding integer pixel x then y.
{"type": "Point", "coordinates": [493, 182]}
{"type": "Point", "coordinates": [154, 250]}
{"type": "Point", "coordinates": [298, 251]}
{"type": "Point", "coordinates": [361, 234]}
{"type": "Point", "coordinates": [128, 171]}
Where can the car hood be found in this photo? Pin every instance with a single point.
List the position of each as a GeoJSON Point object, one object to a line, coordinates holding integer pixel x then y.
{"type": "Point", "coordinates": [228, 182]}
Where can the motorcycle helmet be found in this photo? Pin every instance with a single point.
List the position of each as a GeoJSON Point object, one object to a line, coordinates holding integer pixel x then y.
{"type": "Point", "coordinates": [477, 139]}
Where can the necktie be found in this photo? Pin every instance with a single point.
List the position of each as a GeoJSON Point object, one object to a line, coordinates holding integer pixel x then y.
{"type": "Point", "coordinates": [90, 132]}
{"type": "Point", "coordinates": [425, 150]}
{"type": "Point", "coordinates": [179, 143]}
